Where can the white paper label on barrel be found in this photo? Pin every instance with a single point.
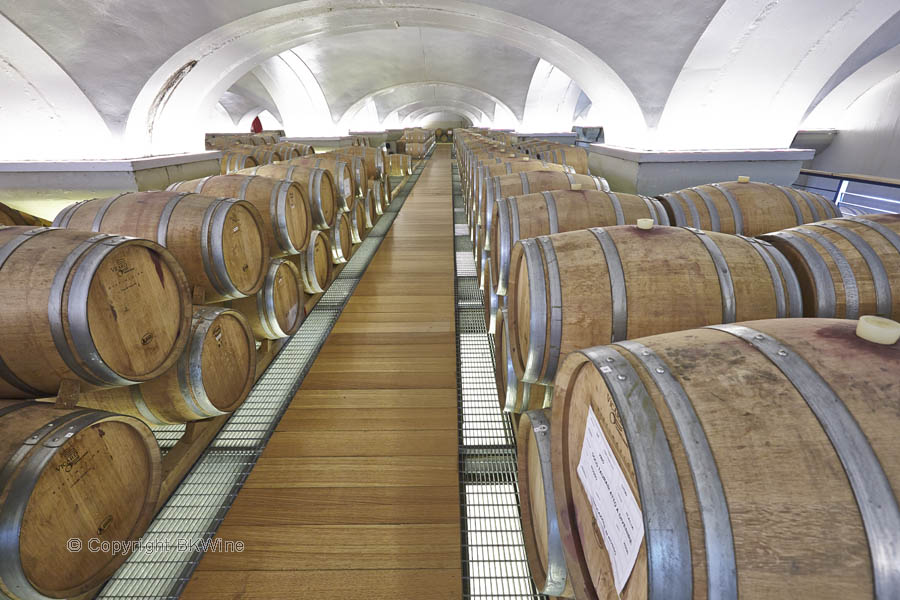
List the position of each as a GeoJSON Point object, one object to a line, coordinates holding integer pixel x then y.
{"type": "Point", "coordinates": [616, 512]}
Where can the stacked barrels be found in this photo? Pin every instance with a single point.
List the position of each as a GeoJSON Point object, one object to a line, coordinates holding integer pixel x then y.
{"type": "Point", "coordinates": [595, 298]}
{"type": "Point", "coordinates": [149, 309]}
{"type": "Point", "coordinates": [417, 142]}
{"type": "Point", "coordinates": [240, 151]}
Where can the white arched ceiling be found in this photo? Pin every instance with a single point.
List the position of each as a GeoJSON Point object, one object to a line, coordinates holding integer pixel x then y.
{"type": "Point", "coordinates": [301, 104]}
{"type": "Point", "coordinates": [758, 66]}
{"type": "Point", "coordinates": [351, 66]}
{"type": "Point", "coordinates": [552, 97]}
{"type": "Point", "coordinates": [658, 73]}
{"type": "Point", "coordinates": [388, 101]}
{"type": "Point", "coordinates": [248, 94]}
{"type": "Point", "coordinates": [174, 92]}
{"type": "Point", "coordinates": [472, 113]}
{"type": "Point", "coordinates": [829, 111]}
{"type": "Point", "coordinates": [39, 99]}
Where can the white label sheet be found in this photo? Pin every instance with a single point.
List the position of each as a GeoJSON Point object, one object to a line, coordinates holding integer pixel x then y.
{"type": "Point", "coordinates": [615, 509]}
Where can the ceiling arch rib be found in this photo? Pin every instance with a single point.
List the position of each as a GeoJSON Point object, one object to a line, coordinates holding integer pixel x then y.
{"type": "Point", "coordinates": [197, 75]}
{"type": "Point", "coordinates": [351, 66]}
{"type": "Point", "coordinates": [34, 85]}
{"type": "Point", "coordinates": [753, 73]}
{"type": "Point", "coordinates": [389, 99]}
{"type": "Point", "coordinates": [471, 112]}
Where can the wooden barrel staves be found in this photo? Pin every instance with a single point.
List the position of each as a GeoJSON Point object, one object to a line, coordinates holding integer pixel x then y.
{"type": "Point", "coordinates": [212, 378]}
{"type": "Point", "coordinates": [602, 285]}
{"type": "Point", "coordinates": [540, 530]}
{"type": "Point", "coordinates": [360, 224]}
{"type": "Point", "coordinates": [341, 174]}
{"type": "Point", "coordinates": [571, 156]}
{"type": "Point", "coordinates": [281, 204]}
{"type": "Point", "coordinates": [374, 159]}
{"type": "Point", "coordinates": [264, 154]}
{"type": "Point", "coordinates": [358, 169]}
{"type": "Point", "coordinates": [341, 239]}
{"type": "Point", "coordinates": [70, 475]}
{"type": "Point", "coordinates": [847, 267]}
{"type": "Point", "coordinates": [515, 396]}
{"type": "Point", "coordinates": [519, 184]}
{"type": "Point", "coordinates": [528, 216]}
{"type": "Point", "coordinates": [745, 207]}
{"type": "Point", "coordinates": [321, 195]}
{"type": "Point", "coordinates": [400, 165]}
{"type": "Point", "coordinates": [277, 310]}
{"type": "Point", "coordinates": [232, 161]}
{"type": "Point", "coordinates": [101, 310]}
{"type": "Point", "coordinates": [316, 263]}
{"type": "Point", "coordinates": [759, 457]}
{"type": "Point", "coordinates": [220, 242]}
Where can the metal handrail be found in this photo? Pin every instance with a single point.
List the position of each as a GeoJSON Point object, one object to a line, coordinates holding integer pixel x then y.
{"type": "Point", "coordinates": [845, 179]}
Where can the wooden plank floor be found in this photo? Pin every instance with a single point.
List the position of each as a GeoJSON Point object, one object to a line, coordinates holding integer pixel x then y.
{"type": "Point", "coordinates": [356, 494]}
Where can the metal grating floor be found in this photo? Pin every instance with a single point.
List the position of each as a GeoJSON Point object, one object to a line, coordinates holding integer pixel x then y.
{"type": "Point", "coordinates": [494, 563]}
{"type": "Point", "coordinates": [176, 540]}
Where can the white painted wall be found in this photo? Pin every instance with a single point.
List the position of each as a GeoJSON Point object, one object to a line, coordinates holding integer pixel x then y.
{"type": "Point", "coordinates": [869, 138]}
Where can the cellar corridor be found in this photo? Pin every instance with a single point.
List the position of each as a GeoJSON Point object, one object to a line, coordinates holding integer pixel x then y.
{"type": "Point", "coordinates": [357, 493]}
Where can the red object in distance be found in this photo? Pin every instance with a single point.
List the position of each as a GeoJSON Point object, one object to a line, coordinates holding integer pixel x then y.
{"type": "Point", "coordinates": [256, 126]}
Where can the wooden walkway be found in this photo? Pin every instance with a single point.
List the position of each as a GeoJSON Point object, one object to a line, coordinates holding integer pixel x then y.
{"type": "Point", "coordinates": [357, 495]}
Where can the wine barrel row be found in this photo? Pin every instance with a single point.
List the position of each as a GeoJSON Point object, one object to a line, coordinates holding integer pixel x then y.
{"type": "Point", "coordinates": [153, 304]}
{"type": "Point", "coordinates": [745, 208]}
{"type": "Point", "coordinates": [237, 157]}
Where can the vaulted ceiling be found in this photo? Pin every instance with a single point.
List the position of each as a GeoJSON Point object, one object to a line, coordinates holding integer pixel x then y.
{"type": "Point", "coordinates": [149, 78]}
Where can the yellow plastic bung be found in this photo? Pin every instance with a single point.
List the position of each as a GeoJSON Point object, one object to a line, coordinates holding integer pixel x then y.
{"type": "Point", "coordinates": [576, 186]}
{"type": "Point", "coordinates": [878, 330]}
{"type": "Point", "coordinates": [743, 179]}
{"type": "Point", "coordinates": [645, 223]}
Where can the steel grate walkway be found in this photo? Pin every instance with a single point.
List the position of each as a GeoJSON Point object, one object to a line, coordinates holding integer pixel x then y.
{"type": "Point", "coordinates": [494, 563]}
{"type": "Point", "coordinates": [186, 526]}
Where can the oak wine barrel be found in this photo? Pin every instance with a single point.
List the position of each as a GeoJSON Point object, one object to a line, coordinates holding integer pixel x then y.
{"type": "Point", "coordinates": [417, 149]}
{"type": "Point", "coordinates": [322, 198]}
{"type": "Point", "coordinates": [276, 311]}
{"type": "Point", "coordinates": [486, 172]}
{"type": "Point", "coordinates": [289, 150]}
{"type": "Point", "coordinates": [262, 153]}
{"type": "Point", "coordinates": [379, 196]}
{"type": "Point", "coordinates": [315, 263]}
{"type": "Point", "coordinates": [341, 239]}
{"type": "Point", "coordinates": [759, 457]}
{"type": "Point", "coordinates": [602, 285]}
{"type": "Point", "coordinates": [360, 222]}
{"type": "Point", "coordinates": [531, 215]}
{"type": "Point", "coordinates": [233, 160]}
{"type": "Point", "coordinates": [400, 165]}
{"type": "Point", "coordinates": [417, 134]}
{"type": "Point", "coordinates": [341, 174]}
{"type": "Point", "coordinates": [523, 183]}
{"type": "Point", "coordinates": [69, 475]}
{"type": "Point", "coordinates": [358, 170]}
{"type": "Point", "coordinates": [10, 216]}
{"type": "Point", "coordinates": [571, 156]}
{"type": "Point", "coordinates": [847, 267]}
{"type": "Point", "coordinates": [746, 208]}
{"type": "Point", "coordinates": [281, 204]}
{"type": "Point", "coordinates": [375, 158]}
{"type": "Point", "coordinates": [102, 310]}
{"type": "Point", "coordinates": [540, 529]}
{"type": "Point", "coordinates": [515, 396]}
{"type": "Point", "coordinates": [212, 377]}
{"type": "Point", "coordinates": [220, 243]}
